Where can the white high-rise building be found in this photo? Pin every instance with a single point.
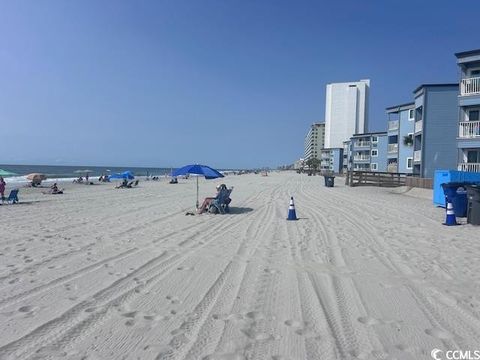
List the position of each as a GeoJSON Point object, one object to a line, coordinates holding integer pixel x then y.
{"type": "Point", "coordinates": [346, 111]}
{"type": "Point", "coordinates": [314, 141]}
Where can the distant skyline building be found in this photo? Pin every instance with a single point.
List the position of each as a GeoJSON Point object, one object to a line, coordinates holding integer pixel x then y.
{"type": "Point", "coordinates": [314, 141]}
{"type": "Point", "coordinates": [346, 111]}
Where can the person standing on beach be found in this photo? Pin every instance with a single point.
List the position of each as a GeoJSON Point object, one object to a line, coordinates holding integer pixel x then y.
{"type": "Point", "coordinates": [2, 188]}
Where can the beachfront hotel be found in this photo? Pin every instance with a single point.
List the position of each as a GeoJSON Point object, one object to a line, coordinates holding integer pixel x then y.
{"type": "Point", "coordinates": [435, 128]}
{"type": "Point", "coordinates": [400, 138]}
{"type": "Point", "coordinates": [346, 111]}
{"type": "Point", "coordinates": [468, 140]}
{"type": "Point", "coordinates": [368, 152]}
{"type": "Point", "coordinates": [314, 141]}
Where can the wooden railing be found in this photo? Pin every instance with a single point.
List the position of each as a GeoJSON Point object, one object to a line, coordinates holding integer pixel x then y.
{"type": "Point", "coordinates": [375, 178]}
{"type": "Point", "coordinates": [415, 181]}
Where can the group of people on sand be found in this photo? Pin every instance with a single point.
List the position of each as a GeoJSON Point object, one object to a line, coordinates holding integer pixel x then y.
{"type": "Point", "coordinates": [103, 178]}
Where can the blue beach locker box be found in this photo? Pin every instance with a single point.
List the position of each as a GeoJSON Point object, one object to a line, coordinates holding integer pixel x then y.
{"type": "Point", "coordinates": [446, 176]}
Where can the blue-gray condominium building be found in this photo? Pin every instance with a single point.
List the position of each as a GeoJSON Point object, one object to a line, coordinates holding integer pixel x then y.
{"type": "Point", "coordinates": [400, 138]}
{"type": "Point", "coordinates": [435, 128]}
{"type": "Point", "coordinates": [468, 138]}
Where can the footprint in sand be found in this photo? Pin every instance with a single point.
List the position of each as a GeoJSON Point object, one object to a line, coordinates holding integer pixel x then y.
{"type": "Point", "coordinates": [130, 314]}
{"type": "Point", "coordinates": [439, 333]}
{"type": "Point", "coordinates": [257, 335]}
{"type": "Point", "coordinates": [255, 315]}
{"type": "Point", "coordinates": [26, 309]}
{"type": "Point", "coordinates": [368, 321]}
{"type": "Point", "coordinates": [173, 299]}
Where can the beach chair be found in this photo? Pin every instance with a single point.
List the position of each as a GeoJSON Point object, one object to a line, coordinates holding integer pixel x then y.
{"type": "Point", "coordinates": [220, 205]}
{"type": "Point", "coordinates": [13, 197]}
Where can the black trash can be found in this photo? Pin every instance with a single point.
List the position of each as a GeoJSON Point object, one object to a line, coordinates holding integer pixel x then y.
{"type": "Point", "coordinates": [473, 212]}
{"type": "Point", "coordinates": [329, 181]}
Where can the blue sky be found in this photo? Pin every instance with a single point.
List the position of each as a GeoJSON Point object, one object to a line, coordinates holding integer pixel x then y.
{"type": "Point", "coordinates": [229, 83]}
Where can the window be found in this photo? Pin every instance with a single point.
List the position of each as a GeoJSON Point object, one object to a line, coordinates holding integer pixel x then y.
{"type": "Point", "coordinates": [374, 166]}
{"type": "Point", "coordinates": [374, 139]}
{"type": "Point", "coordinates": [473, 115]}
{"type": "Point", "coordinates": [411, 114]}
{"type": "Point", "coordinates": [374, 152]}
{"type": "Point", "coordinates": [473, 156]}
{"type": "Point", "coordinates": [475, 72]}
{"type": "Point", "coordinates": [419, 113]}
{"type": "Point", "coordinates": [409, 163]}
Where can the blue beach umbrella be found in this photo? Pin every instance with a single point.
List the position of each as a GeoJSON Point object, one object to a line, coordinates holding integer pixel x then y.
{"type": "Point", "coordinates": [196, 169]}
{"type": "Point", "coordinates": [124, 175]}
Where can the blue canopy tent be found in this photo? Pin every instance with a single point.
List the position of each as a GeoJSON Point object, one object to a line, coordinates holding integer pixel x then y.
{"type": "Point", "coordinates": [124, 175]}
{"type": "Point", "coordinates": [197, 169]}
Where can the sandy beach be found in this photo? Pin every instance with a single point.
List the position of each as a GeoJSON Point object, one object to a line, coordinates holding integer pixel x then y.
{"type": "Point", "coordinates": [366, 273]}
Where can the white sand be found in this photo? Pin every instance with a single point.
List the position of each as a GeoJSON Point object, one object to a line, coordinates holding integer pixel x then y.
{"type": "Point", "coordinates": [100, 273]}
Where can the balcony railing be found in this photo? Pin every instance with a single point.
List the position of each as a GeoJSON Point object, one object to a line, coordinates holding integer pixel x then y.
{"type": "Point", "coordinates": [361, 144]}
{"type": "Point", "coordinates": [470, 86]}
{"type": "Point", "coordinates": [470, 167]}
{"type": "Point", "coordinates": [469, 129]}
{"type": "Point", "coordinates": [392, 125]}
{"type": "Point", "coordinates": [392, 148]}
{"type": "Point", "coordinates": [392, 167]}
{"type": "Point", "coordinates": [418, 126]}
{"type": "Point", "coordinates": [417, 155]}
{"type": "Point", "coordinates": [361, 157]}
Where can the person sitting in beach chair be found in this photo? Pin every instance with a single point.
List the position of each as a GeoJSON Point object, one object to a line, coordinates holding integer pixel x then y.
{"type": "Point", "coordinates": [173, 181]}
{"type": "Point", "coordinates": [54, 190]}
{"type": "Point", "coordinates": [220, 205]}
{"type": "Point", "coordinates": [222, 193]}
{"type": "Point", "coordinates": [123, 185]}
{"type": "Point", "coordinates": [78, 181]}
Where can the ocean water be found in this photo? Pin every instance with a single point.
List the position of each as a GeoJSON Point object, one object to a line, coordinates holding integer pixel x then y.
{"type": "Point", "coordinates": [65, 173]}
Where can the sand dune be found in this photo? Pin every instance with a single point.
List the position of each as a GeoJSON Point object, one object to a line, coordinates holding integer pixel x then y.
{"type": "Point", "coordinates": [365, 273]}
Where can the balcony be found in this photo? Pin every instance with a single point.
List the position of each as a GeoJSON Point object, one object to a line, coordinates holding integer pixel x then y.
{"type": "Point", "coordinates": [418, 126]}
{"type": "Point", "coordinates": [470, 167]}
{"type": "Point", "coordinates": [393, 125]}
{"type": "Point", "coordinates": [470, 86]}
{"type": "Point", "coordinates": [359, 144]}
{"type": "Point", "coordinates": [361, 158]}
{"type": "Point", "coordinates": [392, 148]}
{"type": "Point", "coordinates": [469, 129]}
{"type": "Point", "coordinates": [417, 155]}
{"type": "Point", "coordinates": [393, 167]}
